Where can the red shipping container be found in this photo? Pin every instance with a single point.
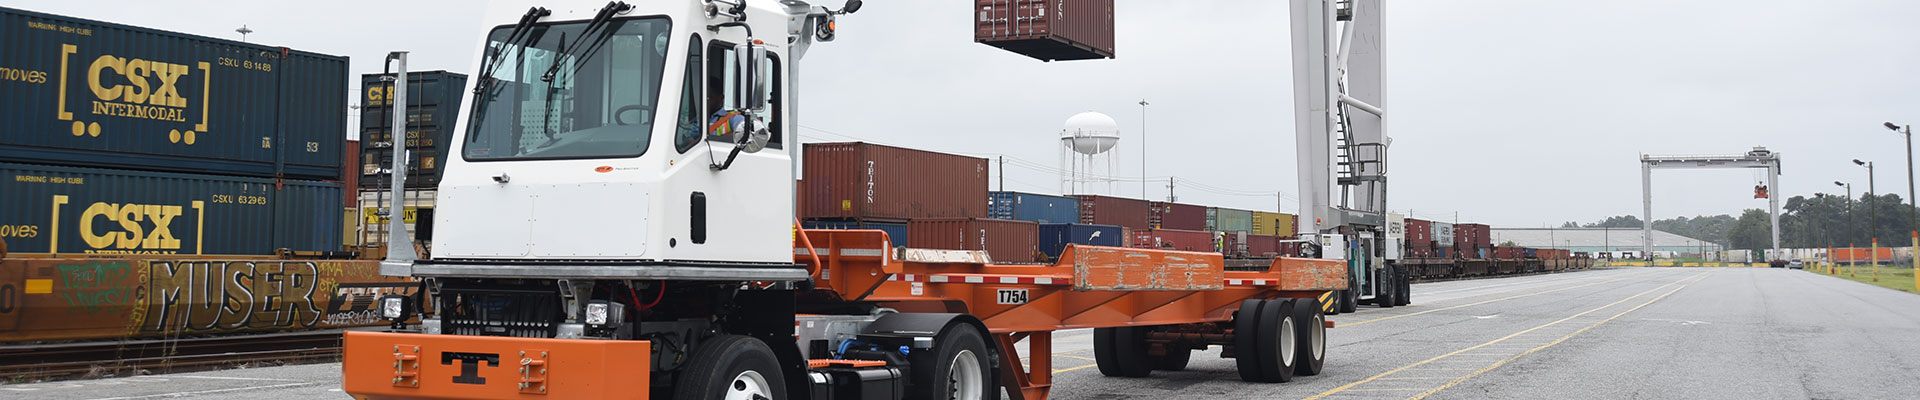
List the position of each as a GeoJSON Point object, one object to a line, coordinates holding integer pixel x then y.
{"type": "Point", "coordinates": [1103, 210]}
{"type": "Point", "coordinates": [1261, 246]}
{"type": "Point", "coordinates": [350, 173]}
{"type": "Point", "coordinates": [876, 182]}
{"type": "Point", "coordinates": [1048, 30]}
{"type": "Point", "coordinates": [1186, 217]}
{"type": "Point", "coordinates": [1174, 239]}
{"type": "Point", "coordinates": [1420, 231]}
{"type": "Point", "coordinates": [1007, 241]}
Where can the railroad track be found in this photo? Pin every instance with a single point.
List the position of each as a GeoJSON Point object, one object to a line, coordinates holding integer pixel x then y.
{"type": "Point", "coordinates": [133, 357]}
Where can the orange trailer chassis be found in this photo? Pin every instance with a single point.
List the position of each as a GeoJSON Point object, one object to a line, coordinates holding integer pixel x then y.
{"type": "Point", "coordinates": [1090, 287]}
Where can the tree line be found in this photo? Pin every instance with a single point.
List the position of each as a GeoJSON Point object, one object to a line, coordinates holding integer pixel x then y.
{"type": "Point", "coordinates": [1822, 220]}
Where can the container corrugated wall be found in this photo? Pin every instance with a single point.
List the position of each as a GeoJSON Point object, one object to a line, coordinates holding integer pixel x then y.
{"type": "Point", "coordinates": [1443, 234]}
{"type": "Point", "coordinates": [1006, 241]}
{"type": "Point", "coordinates": [96, 94]}
{"type": "Point", "coordinates": [1045, 209]}
{"type": "Point", "coordinates": [1104, 210]}
{"type": "Point", "coordinates": [70, 210]}
{"type": "Point", "coordinates": [1048, 30]}
{"type": "Point", "coordinates": [433, 107]}
{"type": "Point", "coordinates": [1229, 220]}
{"type": "Point", "coordinates": [1175, 239]}
{"type": "Point", "coordinates": [896, 231]}
{"type": "Point", "coordinates": [870, 181]}
{"type": "Point", "coordinates": [1186, 217]}
{"type": "Point", "coordinates": [1054, 238]}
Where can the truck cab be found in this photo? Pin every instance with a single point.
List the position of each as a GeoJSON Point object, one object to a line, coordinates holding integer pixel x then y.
{"type": "Point", "coordinates": [630, 135]}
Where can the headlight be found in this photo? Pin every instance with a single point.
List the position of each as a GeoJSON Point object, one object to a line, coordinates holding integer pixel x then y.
{"type": "Point", "coordinates": [603, 313]}
{"type": "Point", "coordinates": [597, 314]}
{"type": "Point", "coordinates": [393, 307]}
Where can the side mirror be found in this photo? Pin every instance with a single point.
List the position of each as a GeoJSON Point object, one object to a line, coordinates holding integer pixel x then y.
{"type": "Point", "coordinates": [852, 6]}
{"type": "Point", "coordinates": [750, 80]}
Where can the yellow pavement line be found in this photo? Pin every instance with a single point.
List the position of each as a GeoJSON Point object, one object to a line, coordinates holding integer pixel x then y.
{"type": "Point", "coordinates": [1074, 368]}
{"type": "Point", "coordinates": [1351, 385]}
{"type": "Point", "coordinates": [1498, 364]}
{"type": "Point", "coordinates": [1349, 324]}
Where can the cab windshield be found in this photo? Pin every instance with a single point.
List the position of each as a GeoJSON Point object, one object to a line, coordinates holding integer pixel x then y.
{"type": "Point", "coordinates": [568, 90]}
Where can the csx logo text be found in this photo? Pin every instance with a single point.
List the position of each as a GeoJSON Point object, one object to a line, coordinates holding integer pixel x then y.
{"type": "Point", "coordinates": [134, 221]}
{"type": "Point", "coordinates": [138, 89]}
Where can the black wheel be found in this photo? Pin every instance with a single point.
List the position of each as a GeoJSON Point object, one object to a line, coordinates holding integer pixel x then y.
{"type": "Point", "coordinates": [1246, 329]}
{"type": "Point", "coordinates": [1311, 331]}
{"type": "Point", "coordinates": [731, 367]}
{"type": "Point", "coordinates": [961, 367]}
{"type": "Point", "coordinates": [1349, 301]}
{"type": "Point", "coordinates": [1386, 284]}
{"type": "Point", "coordinates": [1174, 360]}
{"type": "Point", "coordinates": [1275, 346]}
{"type": "Point", "coordinates": [1125, 354]}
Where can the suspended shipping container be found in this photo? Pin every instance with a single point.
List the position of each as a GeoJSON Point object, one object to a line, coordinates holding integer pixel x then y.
{"type": "Point", "coordinates": [96, 94]}
{"type": "Point", "coordinates": [1006, 241]}
{"type": "Point", "coordinates": [68, 210]}
{"type": "Point", "coordinates": [877, 182]}
{"type": "Point", "coordinates": [433, 107]}
{"type": "Point", "coordinates": [1048, 30]}
{"type": "Point", "coordinates": [1105, 210]}
{"type": "Point", "coordinates": [1045, 209]}
{"type": "Point", "coordinates": [1054, 238]}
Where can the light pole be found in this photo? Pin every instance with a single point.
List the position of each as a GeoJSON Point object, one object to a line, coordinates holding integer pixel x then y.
{"type": "Point", "coordinates": [243, 31]}
{"type": "Point", "coordinates": [1849, 212]}
{"type": "Point", "coordinates": [1913, 221]}
{"type": "Point", "coordinates": [1143, 152]}
{"type": "Point", "coordinates": [1873, 223]}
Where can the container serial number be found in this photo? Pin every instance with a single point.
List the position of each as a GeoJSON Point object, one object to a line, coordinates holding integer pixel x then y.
{"type": "Point", "coordinates": [246, 64]}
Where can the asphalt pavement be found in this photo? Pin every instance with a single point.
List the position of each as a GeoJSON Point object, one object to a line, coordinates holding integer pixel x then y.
{"type": "Point", "coordinates": [1630, 333]}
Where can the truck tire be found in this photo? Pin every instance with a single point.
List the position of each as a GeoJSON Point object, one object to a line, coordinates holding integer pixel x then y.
{"type": "Point", "coordinates": [1406, 290]}
{"type": "Point", "coordinates": [1312, 334]}
{"type": "Point", "coordinates": [1125, 354]}
{"type": "Point", "coordinates": [1175, 359]}
{"type": "Point", "coordinates": [731, 366]}
{"type": "Point", "coordinates": [1388, 286]}
{"type": "Point", "coordinates": [1276, 345]}
{"type": "Point", "coordinates": [1246, 329]}
{"type": "Point", "coordinates": [1349, 301]}
{"type": "Point", "coordinates": [961, 368]}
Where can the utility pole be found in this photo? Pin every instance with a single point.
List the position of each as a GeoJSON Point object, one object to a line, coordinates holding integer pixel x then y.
{"type": "Point", "coordinates": [1143, 149]}
{"type": "Point", "coordinates": [1003, 174]}
{"type": "Point", "coordinates": [1170, 198]}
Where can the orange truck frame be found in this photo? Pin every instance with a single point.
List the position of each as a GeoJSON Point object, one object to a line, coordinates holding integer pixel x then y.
{"type": "Point", "coordinates": [868, 321]}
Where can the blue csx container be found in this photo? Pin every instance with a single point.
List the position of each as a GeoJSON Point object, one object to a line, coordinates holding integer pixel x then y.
{"type": "Point", "coordinates": [95, 94]}
{"type": "Point", "coordinates": [1054, 238]}
{"type": "Point", "coordinates": [1039, 208]}
{"type": "Point", "coordinates": [67, 210]}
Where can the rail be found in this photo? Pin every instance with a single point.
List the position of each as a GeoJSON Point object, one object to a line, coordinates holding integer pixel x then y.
{"type": "Point", "coordinates": [28, 362]}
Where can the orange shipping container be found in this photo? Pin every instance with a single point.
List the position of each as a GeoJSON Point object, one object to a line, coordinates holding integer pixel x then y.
{"type": "Point", "coordinates": [1861, 254]}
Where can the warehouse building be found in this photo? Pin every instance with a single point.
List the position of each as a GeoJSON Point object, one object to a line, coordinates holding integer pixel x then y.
{"type": "Point", "coordinates": [1621, 242]}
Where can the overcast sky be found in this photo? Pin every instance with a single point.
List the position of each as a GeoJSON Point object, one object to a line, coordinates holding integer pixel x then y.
{"type": "Point", "coordinates": [1510, 113]}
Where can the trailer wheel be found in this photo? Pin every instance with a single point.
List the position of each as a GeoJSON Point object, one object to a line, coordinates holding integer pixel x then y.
{"type": "Point", "coordinates": [732, 367]}
{"type": "Point", "coordinates": [1312, 334]}
{"type": "Point", "coordinates": [1246, 330]}
{"type": "Point", "coordinates": [1276, 346]}
{"type": "Point", "coordinates": [1349, 301]}
{"type": "Point", "coordinates": [1125, 353]}
{"type": "Point", "coordinates": [961, 367]}
{"type": "Point", "coordinates": [1175, 359]}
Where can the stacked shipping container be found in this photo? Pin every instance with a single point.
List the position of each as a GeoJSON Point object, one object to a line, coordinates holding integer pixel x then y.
{"type": "Point", "coordinates": [1054, 238]}
{"type": "Point", "coordinates": [165, 143]}
{"type": "Point", "coordinates": [1419, 238]}
{"type": "Point", "coordinates": [1104, 210]}
{"type": "Point", "coordinates": [1006, 241]}
{"type": "Point", "coordinates": [433, 107]}
{"type": "Point", "coordinates": [865, 181]}
{"type": "Point", "coordinates": [1275, 224]}
{"type": "Point", "coordinates": [1178, 216]}
{"type": "Point", "coordinates": [1045, 209]}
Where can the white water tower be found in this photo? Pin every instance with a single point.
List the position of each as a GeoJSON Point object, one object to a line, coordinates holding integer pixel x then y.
{"type": "Point", "coordinates": [1084, 142]}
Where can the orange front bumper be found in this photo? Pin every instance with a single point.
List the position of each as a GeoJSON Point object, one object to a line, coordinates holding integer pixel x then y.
{"type": "Point", "coordinates": [379, 365]}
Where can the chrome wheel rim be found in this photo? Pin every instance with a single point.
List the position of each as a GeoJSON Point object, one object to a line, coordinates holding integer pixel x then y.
{"type": "Point", "coordinates": [964, 378]}
{"type": "Point", "coordinates": [749, 385]}
{"type": "Point", "coordinates": [1288, 346]}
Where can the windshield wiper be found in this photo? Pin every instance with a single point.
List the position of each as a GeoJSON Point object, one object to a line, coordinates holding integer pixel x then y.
{"type": "Point", "coordinates": [599, 22]}
{"type": "Point", "coordinates": [491, 63]}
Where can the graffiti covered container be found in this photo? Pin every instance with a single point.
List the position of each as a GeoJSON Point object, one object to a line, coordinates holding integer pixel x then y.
{"type": "Point", "coordinates": [53, 299]}
{"type": "Point", "coordinates": [96, 94]}
{"type": "Point", "coordinates": [90, 211]}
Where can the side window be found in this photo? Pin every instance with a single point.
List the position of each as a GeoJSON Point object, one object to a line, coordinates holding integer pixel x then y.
{"type": "Point", "coordinates": [692, 118]}
{"type": "Point", "coordinates": [720, 72]}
